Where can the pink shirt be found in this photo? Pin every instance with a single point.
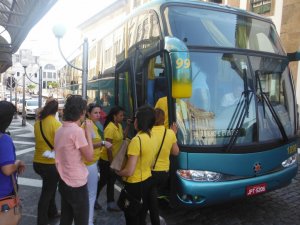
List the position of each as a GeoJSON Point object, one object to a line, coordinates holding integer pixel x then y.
{"type": "Point", "coordinates": [69, 138]}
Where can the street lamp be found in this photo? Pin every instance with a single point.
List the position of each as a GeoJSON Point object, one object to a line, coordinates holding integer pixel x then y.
{"type": "Point", "coordinates": [25, 56]}
{"type": "Point", "coordinates": [38, 68]}
{"type": "Point", "coordinates": [59, 32]}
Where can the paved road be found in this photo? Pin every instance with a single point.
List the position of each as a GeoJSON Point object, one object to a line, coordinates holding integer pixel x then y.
{"type": "Point", "coordinates": [281, 207]}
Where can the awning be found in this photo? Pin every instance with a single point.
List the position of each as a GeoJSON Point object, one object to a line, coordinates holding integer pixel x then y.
{"type": "Point", "coordinates": [17, 17]}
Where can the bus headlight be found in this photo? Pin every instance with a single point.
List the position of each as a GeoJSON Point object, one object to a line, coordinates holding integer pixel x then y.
{"type": "Point", "coordinates": [199, 175]}
{"type": "Point", "coordinates": [290, 161]}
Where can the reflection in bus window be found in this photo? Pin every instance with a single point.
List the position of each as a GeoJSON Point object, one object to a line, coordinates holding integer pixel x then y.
{"type": "Point", "coordinates": [200, 92]}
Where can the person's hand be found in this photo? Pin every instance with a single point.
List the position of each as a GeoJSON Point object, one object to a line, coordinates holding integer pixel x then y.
{"type": "Point", "coordinates": [89, 126]}
{"type": "Point", "coordinates": [129, 121]}
{"type": "Point", "coordinates": [107, 144]}
{"type": "Point", "coordinates": [174, 127]}
{"type": "Point", "coordinates": [21, 166]}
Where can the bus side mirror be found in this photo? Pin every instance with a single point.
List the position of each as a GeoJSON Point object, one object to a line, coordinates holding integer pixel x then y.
{"type": "Point", "coordinates": [294, 56]}
{"type": "Point", "coordinates": [180, 68]}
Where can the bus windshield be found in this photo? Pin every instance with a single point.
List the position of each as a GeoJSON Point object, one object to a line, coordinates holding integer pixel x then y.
{"type": "Point", "coordinates": [230, 103]}
{"type": "Point", "coordinates": [202, 27]}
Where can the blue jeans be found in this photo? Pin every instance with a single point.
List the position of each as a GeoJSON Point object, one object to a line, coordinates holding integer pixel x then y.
{"type": "Point", "coordinates": [74, 204]}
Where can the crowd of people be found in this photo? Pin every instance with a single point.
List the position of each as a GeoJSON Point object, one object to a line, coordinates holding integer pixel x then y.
{"type": "Point", "coordinates": [70, 155]}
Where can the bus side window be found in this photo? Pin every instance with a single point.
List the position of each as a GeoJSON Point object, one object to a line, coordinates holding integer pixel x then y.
{"type": "Point", "coordinates": [156, 82]}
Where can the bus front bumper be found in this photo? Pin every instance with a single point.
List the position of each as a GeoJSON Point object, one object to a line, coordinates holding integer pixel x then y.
{"type": "Point", "coordinates": [193, 193]}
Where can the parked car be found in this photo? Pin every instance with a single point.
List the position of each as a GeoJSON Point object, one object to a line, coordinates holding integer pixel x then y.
{"type": "Point", "coordinates": [20, 104]}
{"type": "Point", "coordinates": [31, 107]}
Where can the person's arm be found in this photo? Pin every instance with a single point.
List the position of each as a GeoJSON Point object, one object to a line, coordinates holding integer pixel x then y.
{"type": "Point", "coordinates": [88, 151]}
{"type": "Point", "coordinates": [175, 149]}
{"type": "Point", "coordinates": [11, 168]}
{"type": "Point", "coordinates": [129, 167]}
{"type": "Point", "coordinates": [102, 144]}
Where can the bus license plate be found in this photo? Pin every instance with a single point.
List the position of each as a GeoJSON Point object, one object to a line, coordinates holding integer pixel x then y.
{"type": "Point", "coordinates": [256, 189]}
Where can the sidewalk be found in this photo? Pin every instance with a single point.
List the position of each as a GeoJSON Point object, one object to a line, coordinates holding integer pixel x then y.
{"type": "Point", "coordinates": [30, 183]}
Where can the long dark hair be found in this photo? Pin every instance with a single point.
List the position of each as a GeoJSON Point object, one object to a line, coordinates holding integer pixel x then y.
{"type": "Point", "coordinates": [145, 117]}
{"type": "Point", "coordinates": [7, 110]}
{"type": "Point", "coordinates": [110, 117]}
{"type": "Point", "coordinates": [75, 106]}
{"type": "Point", "coordinates": [50, 108]}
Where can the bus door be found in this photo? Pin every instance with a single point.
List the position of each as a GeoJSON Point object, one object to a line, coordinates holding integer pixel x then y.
{"type": "Point", "coordinates": [124, 90]}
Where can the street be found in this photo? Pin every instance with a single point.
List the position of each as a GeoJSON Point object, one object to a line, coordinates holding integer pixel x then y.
{"type": "Point", "coordinates": [280, 207]}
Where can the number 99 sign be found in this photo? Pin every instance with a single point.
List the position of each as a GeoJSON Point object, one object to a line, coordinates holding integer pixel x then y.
{"type": "Point", "coordinates": [185, 63]}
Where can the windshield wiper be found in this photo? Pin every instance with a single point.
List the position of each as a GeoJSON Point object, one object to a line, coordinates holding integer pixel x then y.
{"type": "Point", "coordinates": [240, 113]}
{"type": "Point", "coordinates": [264, 99]}
{"type": "Point", "coordinates": [238, 118]}
{"type": "Point", "coordinates": [257, 74]}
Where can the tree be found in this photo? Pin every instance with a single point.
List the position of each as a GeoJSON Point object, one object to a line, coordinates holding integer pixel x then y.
{"type": "Point", "coordinates": [53, 84]}
{"type": "Point", "coordinates": [31, 87]}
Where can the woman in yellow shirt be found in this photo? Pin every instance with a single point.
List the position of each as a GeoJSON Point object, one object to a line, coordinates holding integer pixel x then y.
{"type": "Point", "coordinates": [114, 134]}
{"type": "Point", "coordinates": [93, 112]}
{"type": "Point", "coordinates": [44, 163]}
{"type": "Point", "coordinates": [137, 171]}
{"type": "Point", "coordinates": [167, 143]}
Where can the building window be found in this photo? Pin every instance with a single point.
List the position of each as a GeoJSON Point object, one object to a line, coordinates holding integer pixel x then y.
{"type": "Point", "coordinates": [216, 1]}
{"type": "Point", "coordinates": [44, 74]}
{"type": "Point", "coordinates": [49, 67]}
{"type": "Point", "coordinates": [54, 75]}
{"type": "Point", "coordinates": [35, 75]}
{"type": "Point", "coordinates": [49, 74]}
{"type": "Point", "coordinates": [18, 74]}
{"type": "Point", "coordinates": [261, 6]}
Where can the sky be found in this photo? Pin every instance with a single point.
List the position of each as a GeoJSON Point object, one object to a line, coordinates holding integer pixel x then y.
{"type": "Point", "coordinates": [70, 13]}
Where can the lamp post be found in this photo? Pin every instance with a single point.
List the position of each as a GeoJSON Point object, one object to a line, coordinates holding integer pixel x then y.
{"type": "Point", "coordinates": [59, 32]}
{"type": "Point", "coordinates": [25, 56]}
{"type": "Point", "coordinates": [40, 87]}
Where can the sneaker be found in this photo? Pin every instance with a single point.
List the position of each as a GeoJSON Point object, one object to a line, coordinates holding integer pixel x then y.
{"type": "Point", "coordinates": [112, 207]}
{"type": "Point", "coordinates": [97, 206]}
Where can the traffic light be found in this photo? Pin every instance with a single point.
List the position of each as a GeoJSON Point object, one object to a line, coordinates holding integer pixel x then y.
{"type": "Point", "coordinates": [10, 82]}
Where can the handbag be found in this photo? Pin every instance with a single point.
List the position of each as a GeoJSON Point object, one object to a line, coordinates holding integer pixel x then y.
{"type": "Point", "coordinates": [10, 208]}
{"type": "Point", "coordinates": [119, 159]}
{"type": "Point", "coordinates": [128, 203]}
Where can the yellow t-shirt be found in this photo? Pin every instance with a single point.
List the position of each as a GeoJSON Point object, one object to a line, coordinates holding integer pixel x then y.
{"type": "Point", "coordinates": [116, 135]}
{"type": "Point", "coordinates": [96, 138]}
{"type": "Point", "coordinates": [162, 103]}
{"type": "Point", "coordinates": [144, 163]}
{"type": "Point", "coordinates": [50, 126]}
{"type": "Point", "coordinates": [163, 161]}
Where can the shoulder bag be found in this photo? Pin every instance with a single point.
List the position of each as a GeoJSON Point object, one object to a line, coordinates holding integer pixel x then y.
{"type": "Point", "coordinates": [46, 140]}
{"type": "Point", "coordinates": [10, 208]}
{"type": "Point", "coordinates": [128, 203]}
{"type": "Point", "coordinates": [48, 154]}
{"type": "Point", "coordinates": [119, 159]}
